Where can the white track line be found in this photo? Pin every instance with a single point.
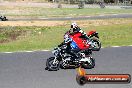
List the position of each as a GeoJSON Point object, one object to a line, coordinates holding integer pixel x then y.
{"type": "Point", "coordinates": [26, 51]}
{"type": "Point", "coordinates": [29, 51]}
{"type": "Point", "coordinates": [7, 52]}
{"type": "Point", "coordinates": [45, 50]}
{"type": "Point", "coordinates": [114, 14]}
{"type": "Point", "coordinates": [116, 46]}
{"type": "Point", "coordinates": [48, 50]}
{"type": "Point", "coordinates": [130, 45]}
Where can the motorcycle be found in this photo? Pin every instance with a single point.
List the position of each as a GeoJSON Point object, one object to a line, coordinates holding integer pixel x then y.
{"type": "Point", "coordinates": [64, 60]}
{"type": "Point", "coordinates": [3, 18]}
{"type": "Point", "coordinates": [82, 42]}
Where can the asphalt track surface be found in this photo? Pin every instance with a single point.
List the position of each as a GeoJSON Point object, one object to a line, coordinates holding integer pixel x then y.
{"type": "Point", "coordinates": [27, 69]}
{"type": "Point", "coordinates": [77, 18]}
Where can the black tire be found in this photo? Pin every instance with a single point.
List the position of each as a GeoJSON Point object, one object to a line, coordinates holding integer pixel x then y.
{"type": "Point", "coordinates": [61, 65]}
{"type": "Point", "coordinates": [98, 45]}
{"type": "Point", "coordinates": [90, 65]}
{"type": "Point", "coordinates": [4, 19]}
{"type": "Point", "coordinates": [49, 63]}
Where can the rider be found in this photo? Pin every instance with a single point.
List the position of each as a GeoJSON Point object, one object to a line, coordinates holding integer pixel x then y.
{"type": "Point", "coordinates": [74, 29]}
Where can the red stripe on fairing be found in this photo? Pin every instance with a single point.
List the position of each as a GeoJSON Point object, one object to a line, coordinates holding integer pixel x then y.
{"type": "Point", "coordinates": [79, 41]}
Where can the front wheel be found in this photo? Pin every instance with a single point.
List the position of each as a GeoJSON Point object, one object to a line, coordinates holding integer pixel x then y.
{"type": "Point", "coordinates": [52, 64]}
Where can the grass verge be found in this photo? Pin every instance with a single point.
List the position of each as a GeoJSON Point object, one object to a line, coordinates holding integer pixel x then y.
{"type": "Point", "coordinates": [36, 12]}
{"type": "Point", "coordinates": [46, 37]}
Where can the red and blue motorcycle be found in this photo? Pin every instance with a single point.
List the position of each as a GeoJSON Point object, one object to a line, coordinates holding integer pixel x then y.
{"type": "Point", "coordinates": [84, 48]}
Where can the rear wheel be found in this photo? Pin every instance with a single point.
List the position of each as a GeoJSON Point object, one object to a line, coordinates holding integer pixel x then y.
{"type": "Point", "coordinates": [52, 65]}
{"type": "Point", "coordinates": [90, 64]}
{"type": "Point", "coordinates": [97, 44]}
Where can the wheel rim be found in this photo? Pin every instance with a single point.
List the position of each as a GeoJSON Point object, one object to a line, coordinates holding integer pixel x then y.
{"type": "Point", "coordinates": [96, 44]}
{"type": "Point", "coordinates": [87, 64]}
{"type": "Point", "coordinates": [51, 65]}
{"type": "Point", "coordinates": [90, 63]}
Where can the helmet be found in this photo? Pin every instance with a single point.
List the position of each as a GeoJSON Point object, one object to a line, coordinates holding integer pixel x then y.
{"type": "Point", "coordinates": [73, 25]}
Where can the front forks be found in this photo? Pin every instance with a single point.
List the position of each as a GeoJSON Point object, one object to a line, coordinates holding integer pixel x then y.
{"type": "Point", "coordinates": [55, 61]}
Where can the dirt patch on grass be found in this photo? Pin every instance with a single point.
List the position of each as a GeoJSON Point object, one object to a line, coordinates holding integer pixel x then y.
{"type": "Point", "coordinates": [9, 35]}
{"type": "Point", "coordinates": [32, 23]}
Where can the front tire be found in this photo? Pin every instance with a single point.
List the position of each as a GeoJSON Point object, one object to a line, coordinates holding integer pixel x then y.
{"type": "Point", "coordinates": [51, 66]}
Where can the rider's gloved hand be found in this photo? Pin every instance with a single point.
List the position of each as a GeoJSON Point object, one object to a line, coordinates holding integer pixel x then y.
{"type": "Point", "coordinates": [84, 34]}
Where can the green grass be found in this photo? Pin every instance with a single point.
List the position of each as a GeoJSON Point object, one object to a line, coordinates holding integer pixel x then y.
{"type": "Point", "coordinates": [56, 12]}
{"type": "Point", "coordinates": [110, 35]}
{"type": "Point", "coordinates": [115, 35]}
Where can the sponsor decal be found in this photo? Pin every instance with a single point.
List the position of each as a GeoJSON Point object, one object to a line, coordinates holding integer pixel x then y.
{"type": "Point", "coordinates": [83, 78]}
